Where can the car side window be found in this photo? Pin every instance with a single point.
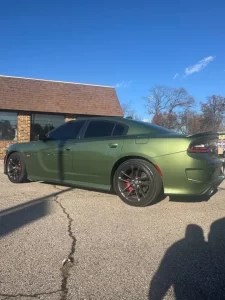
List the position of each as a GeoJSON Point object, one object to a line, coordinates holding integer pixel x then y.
{"type": "Point", "coordinates": [99, 129]}
{"type": "Point", "coordinates": [118, 130]}
{"type": "Point", "coordinates": [67, 131]}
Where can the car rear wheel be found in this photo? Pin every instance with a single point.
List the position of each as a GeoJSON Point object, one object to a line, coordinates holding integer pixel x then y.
{"type": "Point", "coordinates": [137, 182]}
{"type": "Point", "coordinates": [16, 169]}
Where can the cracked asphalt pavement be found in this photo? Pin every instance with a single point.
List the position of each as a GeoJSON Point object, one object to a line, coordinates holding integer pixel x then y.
{"type": "Point", "coordinates": [62, 243]}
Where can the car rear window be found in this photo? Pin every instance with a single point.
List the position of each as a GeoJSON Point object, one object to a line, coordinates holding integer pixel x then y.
{"type": "Point", "coordinates": [118, 130]}
{"type": "Point", "coordinates": [99, 129]}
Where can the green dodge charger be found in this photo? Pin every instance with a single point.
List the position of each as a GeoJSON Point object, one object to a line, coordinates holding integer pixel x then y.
{"type": "Point", "coordinates": [136, 160]}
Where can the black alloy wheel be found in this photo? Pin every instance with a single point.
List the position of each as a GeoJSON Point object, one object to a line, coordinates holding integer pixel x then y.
{"type": "Point", "coordinates": [16, 169]}
{"type": "Point", "coordinates": [137, 182]}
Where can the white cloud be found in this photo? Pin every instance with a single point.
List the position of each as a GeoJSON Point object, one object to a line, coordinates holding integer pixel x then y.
{"type": "Point", "coordinates": [123, 84]}
{"type": "Point", "coordinates": [175, 76]}
{"type": "Point", "coordinates": [199, 66]}
{"type": "Point", "coordinates": [146, 120]}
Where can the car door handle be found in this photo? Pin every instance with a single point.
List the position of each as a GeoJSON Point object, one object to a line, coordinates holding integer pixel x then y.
{"type": "Point", "coordinates": [113, 145]}
{"type": "Point", "coordinates": [67, 149]}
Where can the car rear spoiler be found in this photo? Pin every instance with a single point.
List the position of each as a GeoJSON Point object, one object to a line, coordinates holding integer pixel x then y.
{"type": "Point", "coordinates": [210, 134]}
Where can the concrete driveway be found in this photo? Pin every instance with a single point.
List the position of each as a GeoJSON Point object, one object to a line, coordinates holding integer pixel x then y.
{"type": "Point", "coordinates": [115, 251]}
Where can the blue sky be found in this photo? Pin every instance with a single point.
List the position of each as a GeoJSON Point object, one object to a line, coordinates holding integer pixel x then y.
{"type": "Point", "coordinates": [132, 45]}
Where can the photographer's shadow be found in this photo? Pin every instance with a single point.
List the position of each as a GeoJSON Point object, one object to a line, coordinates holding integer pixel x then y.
{"type": "Point", "coordinates": [193, 267]}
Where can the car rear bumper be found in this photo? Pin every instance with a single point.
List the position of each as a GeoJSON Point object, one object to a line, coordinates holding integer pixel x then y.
{"type": "Point", "coordinates": [195, 188]}
{"type": "Point", "coordinates": [198, 176]}
{"type": "Point", "coordinates": [210, 190]}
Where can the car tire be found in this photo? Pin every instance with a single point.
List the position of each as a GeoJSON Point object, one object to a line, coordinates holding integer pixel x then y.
{"type": "Point", "coordinates": [16, 168]}
{"type": "Point", "coordinates": [137, 182]}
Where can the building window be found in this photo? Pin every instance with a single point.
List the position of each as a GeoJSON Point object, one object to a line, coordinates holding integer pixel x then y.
{"type": "Point", "coordinates": [8, 126]}
{"type": "Point", "coordinates": [43, 123]}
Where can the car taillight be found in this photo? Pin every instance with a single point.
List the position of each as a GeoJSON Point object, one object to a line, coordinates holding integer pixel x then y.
{"type": "Point", "coordinates": [203, 147]}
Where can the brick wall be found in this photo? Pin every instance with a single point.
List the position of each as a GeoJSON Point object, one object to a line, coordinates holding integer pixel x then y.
{"type": "Point", "coordinates": [23, 132]}
{"type": "Point", "coordinates": [24, 120]}
{"type": "Point", "coordinates": [3, 146]}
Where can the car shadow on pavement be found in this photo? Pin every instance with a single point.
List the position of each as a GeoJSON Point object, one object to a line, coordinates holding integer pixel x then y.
{"type": "Point", "coordinates": [74, 186]}
{"type": "Point", "coordinates": [189, 199]}
{"type": "Point", "coordinates": [222, 189]}
{"type": "Point", "coordinates": [194, 198]}
{"type": "Point", "coordinates": [20, 215]}
{"type": "Point", "coordinates": [193, 267]}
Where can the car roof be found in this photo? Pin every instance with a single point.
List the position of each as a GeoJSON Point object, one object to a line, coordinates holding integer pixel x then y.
{"type": "Point", "coordinates": [135, 126]}
{"type": "Point", "coordinates": [99, 118]}
{"type": "Point", "coordinates": [105, 118]}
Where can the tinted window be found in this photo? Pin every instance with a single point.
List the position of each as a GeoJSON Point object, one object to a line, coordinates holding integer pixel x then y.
{"type": "Point", "coordinates": [8, 125]}
{"type": "Point", "coordinates": [118, 130]}
{"type": "Point", "coordinates": [99, 129]}
{"type": "Point", "coordinates": [67, 131]}
{"type": "Point", "coordinates": [44, 123]}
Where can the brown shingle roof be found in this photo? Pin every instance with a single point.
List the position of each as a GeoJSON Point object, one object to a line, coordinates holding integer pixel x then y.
{"type": "Point", "coordinates": [38, 95]}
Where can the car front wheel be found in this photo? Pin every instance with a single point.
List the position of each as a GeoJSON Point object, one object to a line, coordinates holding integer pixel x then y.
{"type": "Point", "coordinates": [16, 169]}
{"type": "Point", "coordinates": [137, 182]}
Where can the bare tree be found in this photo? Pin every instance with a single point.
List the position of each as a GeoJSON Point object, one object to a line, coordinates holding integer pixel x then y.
{"type": "Point", "coordinates": [222, 126]}
{"type": "Point", "coordinates": [165, 99]}
{"type": "Point", "coordinates": [210, 118]}
{"type": "Point", "coordinates": [129, 111]}
{"type": "Point", "coordinates": [167, 120]}
{"type": "Point", "coordinates": [213, 113]}
{"type": "Point", "coordinates": [167, 105]}
{"type": "Point", "coordinates": [191, 122]}
{"type": "Point", "coordinates": [173, 108]}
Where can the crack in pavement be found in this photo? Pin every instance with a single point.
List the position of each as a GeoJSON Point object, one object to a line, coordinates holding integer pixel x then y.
{"type": "Point", "coordinates": [66, 267]}
{"type": "Point", "coordinates": [64, 188]}
{"type": "Point", "coordinates": [8, 296]}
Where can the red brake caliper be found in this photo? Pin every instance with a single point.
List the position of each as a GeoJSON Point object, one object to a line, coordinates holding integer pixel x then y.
{"type": "Point", "coordinates": [130, 187]}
